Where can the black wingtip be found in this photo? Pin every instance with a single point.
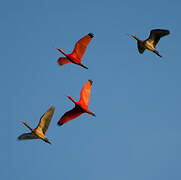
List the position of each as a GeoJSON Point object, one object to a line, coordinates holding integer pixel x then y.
{"type": "Point", "coordinates": [90, 81]}
{"type": "Point", "coordinates": [91, 35]}
{"type": "Point", "coordinates": [168, 31]}
{"type": "Point", "coordinates": [18, 138]}
{"type": "Point", "coordinates": [60, 124]}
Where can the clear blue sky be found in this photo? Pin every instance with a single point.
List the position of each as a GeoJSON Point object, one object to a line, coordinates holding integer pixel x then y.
{"type": "Point", "coordinates": [136, 134]}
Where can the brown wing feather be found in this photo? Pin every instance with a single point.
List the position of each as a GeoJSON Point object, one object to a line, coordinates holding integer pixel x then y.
{"type": "Point", "coordinates": [27, 136]}
{"type": "Point", "coordinates": [156, 34]}
{"type": "Point", "coordinates": [45, 119]}
{"type": "Point", "coordinates": [81, 46]}
{"type": "Point", "coordinates": [70, 115]}
{"type": "Point", "coordinates": [85, 93]}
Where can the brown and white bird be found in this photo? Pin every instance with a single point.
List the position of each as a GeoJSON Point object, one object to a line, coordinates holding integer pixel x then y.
{"type": "Point", "coordinates": [81, 106]}
{"type": "Point", "coordinates": [152, 40]}
{"type": "Point", "coordinates": [40, 130]}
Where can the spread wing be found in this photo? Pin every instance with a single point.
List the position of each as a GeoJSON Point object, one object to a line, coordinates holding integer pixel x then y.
{"type": "Point", "coordinates": [62, 61]}
{"type": "Point", "coordinates": [27, 136]}
{"type": "Point", "coordinates": [45, 119]}
{"type": "Point", "coordinates": [81, 46]}
{"type": "Point", "coordinates": [156, 34]}
{"type": "Point", "coordinates": [85, 93]}
{"type": "Point", "coordinates": [70, 115]}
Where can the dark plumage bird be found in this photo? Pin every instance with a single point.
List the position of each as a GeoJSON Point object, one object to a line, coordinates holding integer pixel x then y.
{"type": "Point", "coordinates": [152, 40]}
{"type": "Point", "coordinates": [40, 130]}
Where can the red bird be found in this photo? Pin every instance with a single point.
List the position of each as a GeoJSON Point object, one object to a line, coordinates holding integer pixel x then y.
{"type": "Point", "coordinates": [78, 52]}
{"type": "Point", "coordinates": [80, 107]}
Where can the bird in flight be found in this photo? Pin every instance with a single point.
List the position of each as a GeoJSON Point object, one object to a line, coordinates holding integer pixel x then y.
{"type": "Point", "coordinates": [81, 106]}
{"type": "Point", "coordinates": [152, 40]}
{"type": "Point", "coordinates": [40, 130]}
{"type": "Point", "coordinates": [78, 52]}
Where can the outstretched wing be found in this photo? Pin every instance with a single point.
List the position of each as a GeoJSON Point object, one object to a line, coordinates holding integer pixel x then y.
{"type": "Point", "coordinates": [85, 93]}
{"type": "Point", "coordinates": [156, 34]}
{"type": "Point", "coordinates": [27, 136]}
{"type": "Point", "coordinates": [81, 46]}
{"type": "Point", "coordinates": [63, 60]}
{"type": "Point", "coordinates": [70, 115]}
{"type": "Point", "coordinates": [45, 119]}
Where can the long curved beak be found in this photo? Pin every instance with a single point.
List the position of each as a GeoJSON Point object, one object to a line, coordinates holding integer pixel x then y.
{"type": "Point", "coordinates": [54, 47]}
{"type": "Point", "coordinates": [131, 35]}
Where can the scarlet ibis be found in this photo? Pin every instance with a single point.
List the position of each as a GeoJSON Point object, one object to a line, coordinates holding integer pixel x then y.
{"type": "Point", "coordinates": [78, 52]}
{"type": "Point", "coordinates": [40, 130]}
{"type": "Point", "coordinates": [81, 106]}
{"type": "Point", "coordinates": [152, 40]}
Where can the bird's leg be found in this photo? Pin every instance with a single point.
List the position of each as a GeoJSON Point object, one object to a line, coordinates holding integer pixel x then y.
{"type": "Point", "coordinates": [83, 66]}
{"type": "Point", "coordinates": [91, 113]}
{"type": "Point", "coordinates": [156, 52]}
{"type": "Point", "coordinates": [47, 141]}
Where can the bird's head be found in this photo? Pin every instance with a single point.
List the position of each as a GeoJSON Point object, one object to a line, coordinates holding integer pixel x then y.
{"type": "Point", "coordinates": [22, 122]}
{"type": "Point", "coordinates": [134, 36]}
{"type": "Point", "coordinates": [71, 98]}
{"type": "Point", "coordinates": [26, 125]}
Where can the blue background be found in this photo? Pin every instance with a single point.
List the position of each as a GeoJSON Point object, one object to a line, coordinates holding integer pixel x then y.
{"type": "Point", "coordinates": [137, 131]}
